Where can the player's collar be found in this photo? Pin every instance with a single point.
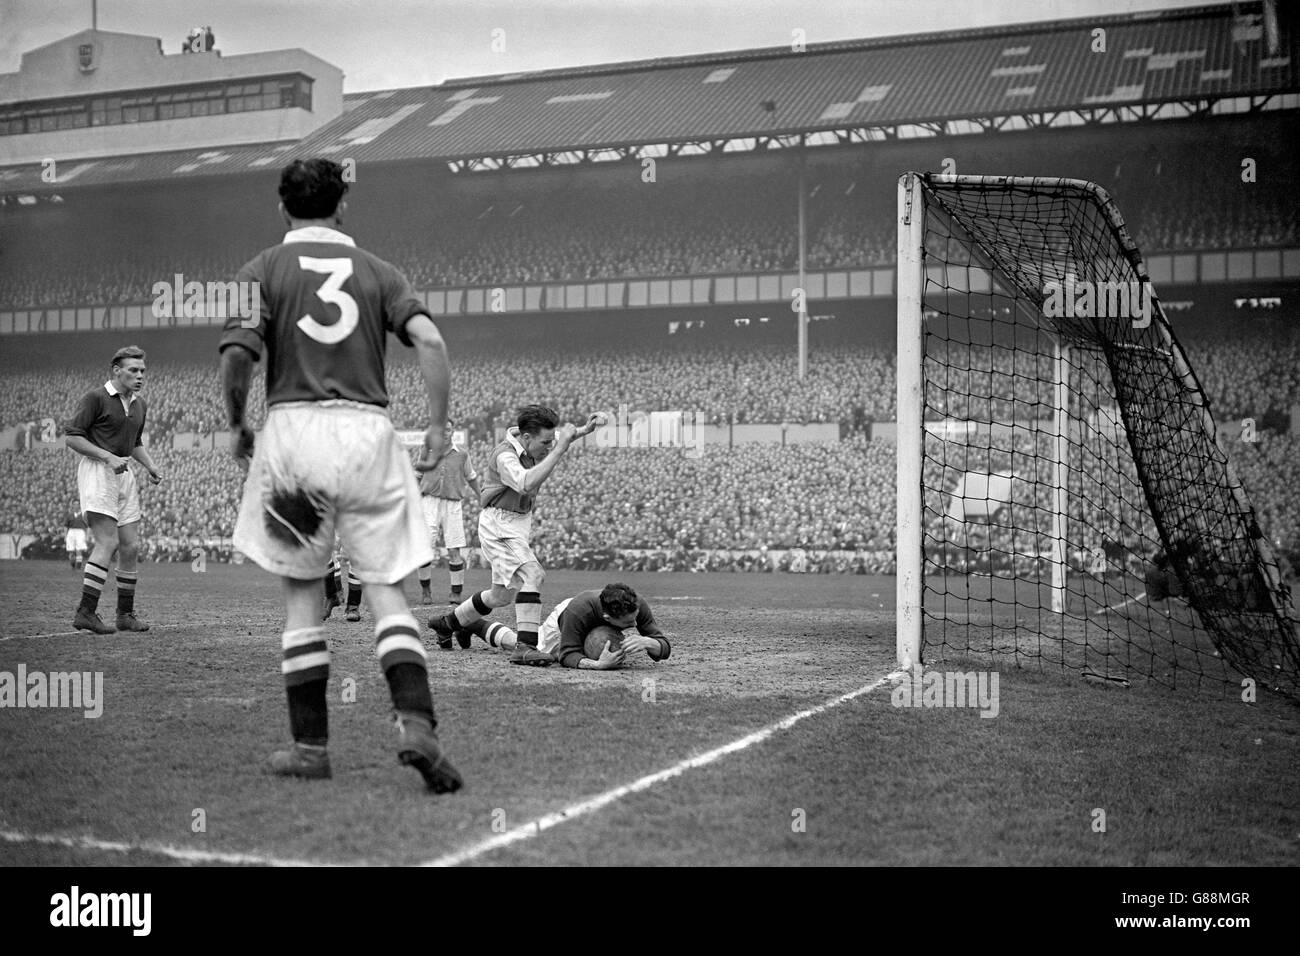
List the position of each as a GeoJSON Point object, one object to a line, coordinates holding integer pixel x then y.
{"type": "Point", "coordinates": [112, 390]}
{"type": "Point", "coordinates": [510, 437]}
{"type": "Point", "coordinates": [318, 234]}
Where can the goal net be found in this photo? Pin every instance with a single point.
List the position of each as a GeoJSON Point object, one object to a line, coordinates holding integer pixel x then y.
{"type": "Point", "coordinates": [1063, 497]}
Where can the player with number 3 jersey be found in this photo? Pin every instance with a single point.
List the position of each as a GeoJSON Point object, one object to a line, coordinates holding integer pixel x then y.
{"type": "Point", "coordinates": [329, 459]}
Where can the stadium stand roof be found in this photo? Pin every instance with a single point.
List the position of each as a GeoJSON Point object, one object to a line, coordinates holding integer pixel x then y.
{"type": "Point", "coordinates": [1197, 58]}
{"type": "Point", "coordinates": [149, 167]}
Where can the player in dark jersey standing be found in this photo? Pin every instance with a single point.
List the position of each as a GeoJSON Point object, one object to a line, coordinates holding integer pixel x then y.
{"type": "Point", "coordinates": [328, 458]}
{"type": "Point", "coordinates": [107, 431]}
{"type": "Point", "coordinates": [444, 482]}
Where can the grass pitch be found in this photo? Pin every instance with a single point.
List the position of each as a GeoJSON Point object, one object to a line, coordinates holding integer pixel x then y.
{"type": "Point", "coordinates": [172, 770]}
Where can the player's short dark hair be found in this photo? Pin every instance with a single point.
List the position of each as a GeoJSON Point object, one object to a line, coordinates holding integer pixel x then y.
{"type": "Point", "coordinates": [126, 352]}
{"type": "Point", "coordinates": [312, 188]}
{"type": "Point", "coordinates": [618, 600]}
{"type": "Point", "coordinates": [533, 418]}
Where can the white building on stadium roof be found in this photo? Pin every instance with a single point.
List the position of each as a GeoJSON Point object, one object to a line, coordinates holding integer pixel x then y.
{"type": "Point", "coordinates": [98, 93]}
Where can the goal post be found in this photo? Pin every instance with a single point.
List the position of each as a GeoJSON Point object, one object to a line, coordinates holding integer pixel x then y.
{"type": "Point", "coordinates": [1062, 496]}
{"type": "Point", "coordinates": [909, 538]}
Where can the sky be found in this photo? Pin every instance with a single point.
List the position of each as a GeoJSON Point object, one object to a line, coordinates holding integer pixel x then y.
{"type": "Point", "coordinates": [382, 44]}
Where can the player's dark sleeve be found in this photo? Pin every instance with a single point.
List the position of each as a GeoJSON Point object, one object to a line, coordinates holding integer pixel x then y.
{"type": "Point", "coordinates": [83, 419]}
{"type": "Point", "coordinates": [646, 627]}
{"type": "Point", "coordinates": [400, 304]}
{"type": "Point", "coordinates": [139, 433]}
{"type": "Point", "coordinates": [249, 330]}
{"type": "Point", "coordinates": [573, 633]}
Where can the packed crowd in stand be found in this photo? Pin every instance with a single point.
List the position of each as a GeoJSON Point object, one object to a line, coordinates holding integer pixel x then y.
{"type": "Point", "coordinates": [646, 500]}
{"type": "Point", "coordinates": [820, 506]}
{"type": "Point", "coordinates": [1249, 367]}
{"type": "Point", "coordinates": [1249, 370]}
{"type": "Point", "coordinates": [722, 385]}
{"type": "Point", "coordinates": [643, 508]}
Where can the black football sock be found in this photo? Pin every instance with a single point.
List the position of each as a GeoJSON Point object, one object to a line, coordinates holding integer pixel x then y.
{"type": "Point", "coordinates": [402, 659]}
{"type": "Point", "coordinates": [93, 580]}
{"type": "Point", "coordinates": [409, 686]}
{"type": "Point", "coordinates": [306, 671]}
{"type": "Point", "coordinates": [528, 616]}
{"type": "Point", "coordinates": [308, 715]}
{"type": "Point", "coordinates": [125, 590]}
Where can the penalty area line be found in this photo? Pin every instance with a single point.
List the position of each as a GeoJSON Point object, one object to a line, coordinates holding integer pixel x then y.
{"type": "Point", "coordinates": [175, 853]}
{"type": "Point", "coordinates": [534, 827]}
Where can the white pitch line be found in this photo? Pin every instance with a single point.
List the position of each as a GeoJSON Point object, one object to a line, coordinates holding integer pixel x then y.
{"type": "Point", "coordinates": [175, 853]}
{"type": "Point", "coordinates": [1120, 606]}
{"type": "Point", "coordinates": [534, 827]}
{"type": "Point", "coordinates": [530, 829]}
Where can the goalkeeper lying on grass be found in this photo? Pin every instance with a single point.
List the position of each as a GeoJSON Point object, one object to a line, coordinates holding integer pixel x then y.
{"type": "Point", "coordinates": [585, 631]}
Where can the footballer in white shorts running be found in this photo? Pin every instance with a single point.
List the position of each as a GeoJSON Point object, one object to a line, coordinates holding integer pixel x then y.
{"type": "Point", "coordinates": [515, 470]}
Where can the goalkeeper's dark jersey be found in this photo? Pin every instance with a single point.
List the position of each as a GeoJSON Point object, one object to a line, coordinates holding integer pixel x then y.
{"type": "Point", "coordinates": [324, 313]}
{"type": "Point", "coordinates": [583, 613]}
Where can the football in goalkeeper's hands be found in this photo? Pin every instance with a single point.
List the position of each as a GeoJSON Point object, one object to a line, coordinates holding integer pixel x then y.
{"type": "Point", "coordinates": [594, 645]}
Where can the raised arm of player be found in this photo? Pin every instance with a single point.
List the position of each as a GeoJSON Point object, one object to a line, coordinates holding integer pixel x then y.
{"type": "Point", "coordinates": [528, 480]}
{"type": "Point", "coordinates": [593, 422]}
{"type": "Point", "coordinates": [236, 373]}
{"type": "Point", "coordinates": [431, 352]}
